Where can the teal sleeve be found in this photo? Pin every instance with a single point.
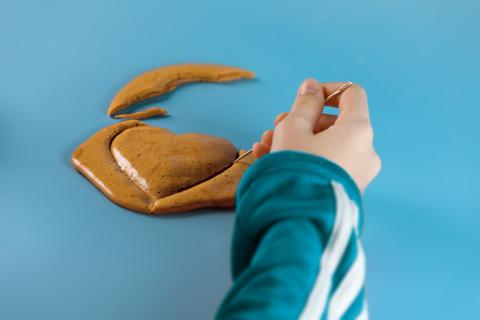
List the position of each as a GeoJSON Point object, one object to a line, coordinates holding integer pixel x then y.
{"type": "Point", "coordinates": [296, 251]}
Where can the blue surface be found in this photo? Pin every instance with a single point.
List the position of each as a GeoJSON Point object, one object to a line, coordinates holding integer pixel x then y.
{"type": "Point", "coordinates": [66, 252]}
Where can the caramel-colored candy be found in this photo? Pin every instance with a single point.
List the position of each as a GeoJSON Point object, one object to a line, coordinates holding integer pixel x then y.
{"type": "Point", "coordinates": [153, 170]}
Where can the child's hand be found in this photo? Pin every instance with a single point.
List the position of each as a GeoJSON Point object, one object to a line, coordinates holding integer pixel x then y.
{"type": "Point", "coordinates": [346, 140]}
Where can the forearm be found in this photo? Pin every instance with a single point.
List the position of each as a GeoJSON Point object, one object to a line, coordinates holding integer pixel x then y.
{"type": "Point", "coordinates": [295, 250]}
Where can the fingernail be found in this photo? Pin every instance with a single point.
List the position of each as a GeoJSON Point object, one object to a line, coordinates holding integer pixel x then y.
{"type": "Point", "coordinates": [308, 87]}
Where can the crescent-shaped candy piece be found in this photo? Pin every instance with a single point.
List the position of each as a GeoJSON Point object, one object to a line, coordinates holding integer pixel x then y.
{"type": "Point", "coordinates": [165, 79]}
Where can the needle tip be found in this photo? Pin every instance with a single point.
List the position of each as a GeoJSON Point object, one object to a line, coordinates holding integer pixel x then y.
{"type": "Point", "coordinates": [243, 156]}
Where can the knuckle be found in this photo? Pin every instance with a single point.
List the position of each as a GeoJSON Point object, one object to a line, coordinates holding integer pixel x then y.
{"type": "Point", "coordinates": [284, 124]}
{"type": "Point", "coordinates": [281, 115]}
{"type": "Point", "coordinates": [358, 89]}
{"type": "Point", "coordinates": [311, 100]}
{"type": "Point", "coordinates": [295, 121]}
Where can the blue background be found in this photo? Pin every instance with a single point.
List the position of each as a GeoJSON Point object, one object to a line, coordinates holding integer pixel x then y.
{"type": "Point", "coordinates": [66, 252]}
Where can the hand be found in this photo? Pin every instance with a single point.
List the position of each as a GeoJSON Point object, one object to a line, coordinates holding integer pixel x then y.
{"type": "Point", "coordinates": [346, 140]}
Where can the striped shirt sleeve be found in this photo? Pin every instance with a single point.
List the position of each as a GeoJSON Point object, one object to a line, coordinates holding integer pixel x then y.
{"type": "Point", "coordinates": [296, 251]}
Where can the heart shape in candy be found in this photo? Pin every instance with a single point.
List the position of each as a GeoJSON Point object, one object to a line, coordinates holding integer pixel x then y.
{"type": "Point", "coordinates": [162, 163]}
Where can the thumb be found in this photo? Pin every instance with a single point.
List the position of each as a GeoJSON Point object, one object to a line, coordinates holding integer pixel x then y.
{"type": "Point", "coordinates": [308, 105]}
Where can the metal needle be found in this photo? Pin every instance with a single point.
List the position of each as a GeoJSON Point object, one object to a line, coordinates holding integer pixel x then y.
{"type": "Point", "coordinates": [329, 98]}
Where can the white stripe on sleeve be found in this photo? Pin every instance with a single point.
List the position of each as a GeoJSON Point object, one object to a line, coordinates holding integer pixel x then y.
{"type": "Point", "coordinates": [349, 288]}
{"type": "Point", "coordinates": [355, 215]}
{"type": "Point", "coordinates": [334, 250]}
{"type": "Point", "coordinates": [364, 314]}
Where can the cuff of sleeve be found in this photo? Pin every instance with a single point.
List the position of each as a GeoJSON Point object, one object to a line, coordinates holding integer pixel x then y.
{"type": "Point", "coordinates": [283, 160]}
{"type": "Point", "coordinates": [269, 177]}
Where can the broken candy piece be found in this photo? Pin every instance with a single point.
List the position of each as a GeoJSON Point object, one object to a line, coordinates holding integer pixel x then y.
{"type": "Point", "coordinates": [164, 79]}
{"type": "Point", "coordinates": [144, 114]}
